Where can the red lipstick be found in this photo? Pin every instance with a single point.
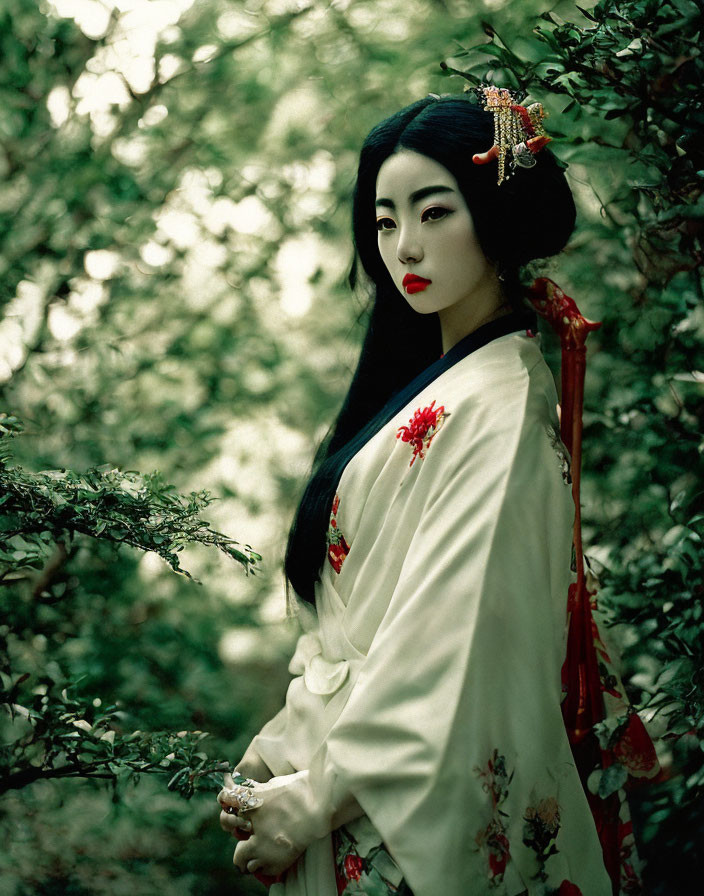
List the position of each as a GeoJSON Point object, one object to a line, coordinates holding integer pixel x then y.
{"type": "Point", "coordinates": [413, 283]}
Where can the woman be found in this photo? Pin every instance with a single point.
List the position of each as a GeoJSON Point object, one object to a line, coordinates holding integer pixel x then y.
{"type": "Point", "coordinates": [422, 748]}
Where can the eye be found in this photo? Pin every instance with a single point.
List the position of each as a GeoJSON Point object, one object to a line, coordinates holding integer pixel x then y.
{"type": "Point", "coordinates": [385, 224]}
{"type": "Point", "coordinates": [434, 213]}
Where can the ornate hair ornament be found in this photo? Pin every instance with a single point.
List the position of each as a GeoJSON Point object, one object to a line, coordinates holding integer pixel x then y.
{"type": "Point", "coordinates": [516, 127]}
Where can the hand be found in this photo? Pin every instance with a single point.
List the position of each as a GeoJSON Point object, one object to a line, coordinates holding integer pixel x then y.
{"type": "Point", "coordinates": [283, 826]}
{"type": "Point", "coordinates": [253, 766]}
{"type": "Point", "coordinates": [239, 826]}
{"type": "Point", "coordinates": [230, 822]}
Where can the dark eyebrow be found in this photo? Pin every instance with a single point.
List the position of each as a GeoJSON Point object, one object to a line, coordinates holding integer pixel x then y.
{"type": "Point", "coordinates": [417, 195]}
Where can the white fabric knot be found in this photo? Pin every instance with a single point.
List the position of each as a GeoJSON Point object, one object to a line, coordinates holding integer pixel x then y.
{"type": "Point", "coordinates": [321, 676]}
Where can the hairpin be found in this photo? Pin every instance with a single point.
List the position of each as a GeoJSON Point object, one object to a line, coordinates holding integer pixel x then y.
{"type": "Point", "coordinates": [516, 127]}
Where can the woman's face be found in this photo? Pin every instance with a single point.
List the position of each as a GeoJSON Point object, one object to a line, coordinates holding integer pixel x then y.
{"type": "Point", "coordinates": [425, 229]}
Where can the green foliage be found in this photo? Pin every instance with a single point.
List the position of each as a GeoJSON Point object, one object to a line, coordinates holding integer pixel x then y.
{"type": "Point", "coordinates": [41, 516]}
{"type": "Point", "coordinates": [39, 510]}
{"type": "Point", "coordinates": [174, 239]}
{"type": "Point", "coordinates": [67, 737]}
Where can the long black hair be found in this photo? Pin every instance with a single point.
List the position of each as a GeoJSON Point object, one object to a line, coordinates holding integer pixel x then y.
{"type": "Point", "coordinates": [531, 215]}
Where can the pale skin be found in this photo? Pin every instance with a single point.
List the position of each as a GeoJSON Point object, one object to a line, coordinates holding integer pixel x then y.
{"type": "Point", "coordinates": [431, 234]}
{"type": "Point", "coordinates": [273, 845]}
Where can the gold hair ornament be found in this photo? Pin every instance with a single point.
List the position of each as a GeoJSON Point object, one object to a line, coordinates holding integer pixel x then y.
{"type": "Point", "coordinates": [516, 127]}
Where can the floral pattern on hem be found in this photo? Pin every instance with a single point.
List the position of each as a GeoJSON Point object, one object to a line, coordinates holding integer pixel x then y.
{"type": "Point", "coordinates": [540, 830]}
{"type": "Point", "coordinates": [541, 827]}
{"type": "Point", "coordinates": [422, 429]}
{"type": "Point", "coordinates": [492, 839]}
{"type": "Point", "coordinates": [373, 874]}
{"type": "Point", "coordinates": [337, 546]}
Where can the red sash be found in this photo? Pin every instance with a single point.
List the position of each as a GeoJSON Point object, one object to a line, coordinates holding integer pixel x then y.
{"type": "Point", "coordinates": [609, 742]}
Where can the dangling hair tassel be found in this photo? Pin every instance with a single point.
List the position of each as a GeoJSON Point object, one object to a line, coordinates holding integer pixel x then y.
{"type": "Point", "coordinates": [516, 127]}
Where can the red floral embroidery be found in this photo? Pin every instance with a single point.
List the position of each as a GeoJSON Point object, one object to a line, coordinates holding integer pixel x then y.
{"type": "Point", "coordinates": [626, 736]}
{"type": "Point", "coordinates": [493, 839]}
{"type": "Point", "coordinates": [498, 847]}
{"type": "Point", "coordinates": [422, 429]}
{"type": "Point", "coordinates": [357, 874]}
{"type": "Point", "coordinates": [634, 748]}
{"type": "Point", "coordinates": [353, 867]}
{"type": "Point", "coordinates": [338, 548]}
{"type": "Point", "coordinates": [567, 888]}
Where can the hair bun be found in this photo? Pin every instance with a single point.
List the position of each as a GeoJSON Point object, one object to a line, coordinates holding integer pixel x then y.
{"type": "Point", "coordinates": [537, 211]}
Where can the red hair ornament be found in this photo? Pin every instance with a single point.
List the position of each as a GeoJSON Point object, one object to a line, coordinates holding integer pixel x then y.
{"type": "Point", "coordinates": [516, 127]}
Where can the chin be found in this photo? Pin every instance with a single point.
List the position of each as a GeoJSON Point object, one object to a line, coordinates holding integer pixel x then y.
{"type": "Point", "coordinates": [417, 303]}
{"type": "Point", "coordinates": [422, 309]}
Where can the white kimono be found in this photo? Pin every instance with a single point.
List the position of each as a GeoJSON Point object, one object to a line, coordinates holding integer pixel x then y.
{"type": "Point", "coordinates": [429, 686]}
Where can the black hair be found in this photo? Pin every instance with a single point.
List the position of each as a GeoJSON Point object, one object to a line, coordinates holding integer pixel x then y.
{"type": "Point", "coordinates": [531, 215]}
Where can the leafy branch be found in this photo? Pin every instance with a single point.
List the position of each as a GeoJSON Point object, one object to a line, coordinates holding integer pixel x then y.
{"type": "Point", "coordinates": [636, 62]}
{"type": "Point", "coordinates": [40, 510]}
{"type": "Point", "coordinates": [42, 514]}
{"type": "Point", "coordinates": [63, 736]}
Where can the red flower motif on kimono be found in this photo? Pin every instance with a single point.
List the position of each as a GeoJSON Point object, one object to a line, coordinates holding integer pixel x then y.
{"type": "Point", "coordinates": [499, 853]}
{"type": "Point", "coordinates": [354, 866]}
{"type": "Point", "coordinates": [493, 839]}
{"type": "Point", "coordinates": [635, 749]}
{"type": "Point", "coordinates": [422, 429]}
{"type": "Point", "coordinates": [630, 882]}
{"type": "Point", "coordinates": [567, 888]}
{"type": "Point", "coordinates": [338, 548]}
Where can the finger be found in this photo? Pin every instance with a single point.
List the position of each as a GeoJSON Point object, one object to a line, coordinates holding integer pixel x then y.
{"type": "Point", "coordinates": [228, 781]}
{"type": "Point", "coordinates": [231, 823]}
{"type": "Point", "coordinates": [227, 799]}
{"type": "Point", "coordinates": [253, 865]}
{"type": "Point", "coordinates": [224, 797]}
{"type": "Point", "coordinates": [238, 797]}
{"type": "Point", "coordinates": [244, 852]}
{"type": "Point", "coordinates": [240, 834]}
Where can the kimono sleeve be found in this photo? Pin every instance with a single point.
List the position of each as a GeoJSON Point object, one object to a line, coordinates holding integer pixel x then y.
{"type": "Point", "coordinates": [453, 729]}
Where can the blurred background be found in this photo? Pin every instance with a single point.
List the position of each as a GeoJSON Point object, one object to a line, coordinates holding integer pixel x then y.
{"type": "Point", "coordinates": [175, 205]}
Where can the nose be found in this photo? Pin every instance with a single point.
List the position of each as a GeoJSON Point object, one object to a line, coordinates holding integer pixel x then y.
{"type": "Point", "coordinates": [409, 249]}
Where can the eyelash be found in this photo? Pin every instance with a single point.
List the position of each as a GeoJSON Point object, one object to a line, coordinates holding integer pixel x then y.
{"type": "Point", "coordinates": [431, 208]}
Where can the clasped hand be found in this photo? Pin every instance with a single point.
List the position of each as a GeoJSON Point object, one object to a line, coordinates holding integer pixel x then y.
{"type": "Point", "coordinates": [281, 827]}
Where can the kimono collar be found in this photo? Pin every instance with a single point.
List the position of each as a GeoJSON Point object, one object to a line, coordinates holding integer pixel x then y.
{"type": "Point", "coordinates": [510, 323]}
{"type": "Point", "coordinates": [525, 319]}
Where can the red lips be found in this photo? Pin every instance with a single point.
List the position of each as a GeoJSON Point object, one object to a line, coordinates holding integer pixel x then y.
{"type": "Point", "coordinates": [413, 283]}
